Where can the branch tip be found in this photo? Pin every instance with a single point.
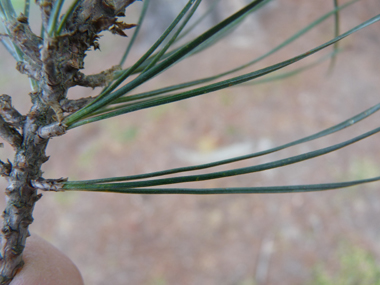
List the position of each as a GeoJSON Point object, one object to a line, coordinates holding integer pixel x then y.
{"type": "Point", "coordinates": [5, 168]}
{"type": "Point", "coordinates": [10, 134]}
{"type": "Point", "coordinates": [9, 113]}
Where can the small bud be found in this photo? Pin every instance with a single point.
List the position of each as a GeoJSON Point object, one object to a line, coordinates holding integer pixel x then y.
{"type": "Point", "coordinates": [22, 19]}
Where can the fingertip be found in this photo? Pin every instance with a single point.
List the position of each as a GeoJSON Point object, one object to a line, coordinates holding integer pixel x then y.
{"type": "Point", "coordinates": [46, 265]}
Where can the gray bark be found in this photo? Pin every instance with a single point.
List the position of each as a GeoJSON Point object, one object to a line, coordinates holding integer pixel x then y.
{"type": "Point", "coordinates": [54, 63]}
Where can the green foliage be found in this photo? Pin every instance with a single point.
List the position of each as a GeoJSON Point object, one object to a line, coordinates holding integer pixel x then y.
{"type": "Point", "coordinates": [158, 281]}
{"type": "Point", "coordinates": [116, 98]}
{"type": "Point", "coordinates": [356, 266]}
{"type": "Point", "coordinates": [53, 62]}
{"type": "Point", "coordinates": [106, 98]}
{"type": "Point", "coordinates": [54, 17]}
{"type": "Point", "coordinates": [73, 5]}
{"type": "Point", "coordinates": [362, 167]}
{"type": "Point", "coordinates": [128, 187]}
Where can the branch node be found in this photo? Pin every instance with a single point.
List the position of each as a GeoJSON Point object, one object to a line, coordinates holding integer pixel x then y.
{"type": "Point", "coordinates": [43, 184]}
{"type": "Point", "coordinates": [52, 130]}
{"type": "Point", "coordinates": [6, 230]}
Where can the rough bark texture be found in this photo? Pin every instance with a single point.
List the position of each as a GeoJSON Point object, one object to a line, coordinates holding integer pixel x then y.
{"type": "Point", "coordinates": [54, 63]}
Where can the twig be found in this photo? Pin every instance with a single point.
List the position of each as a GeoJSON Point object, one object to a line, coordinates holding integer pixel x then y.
{"type": "Point", "coordinates": [97, 80]}
{"type": "Point", "coordinates": [10, 114]}
{"type": "Point", "coordinates": [21, 34]}
{"type": "Point", "coordinates": [71, 106]}
{"type": "Point", "coordinates": [10, 134]}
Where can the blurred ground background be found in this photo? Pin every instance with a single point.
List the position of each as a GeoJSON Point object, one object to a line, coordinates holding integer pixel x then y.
{"type": "Point", "coordinates": [314, 238]}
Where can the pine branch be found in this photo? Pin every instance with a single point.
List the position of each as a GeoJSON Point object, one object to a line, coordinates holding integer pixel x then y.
{"type": "Point", "coordinates": [54, 62]}
{"type": "Point", "coordinates": [22, 197]}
